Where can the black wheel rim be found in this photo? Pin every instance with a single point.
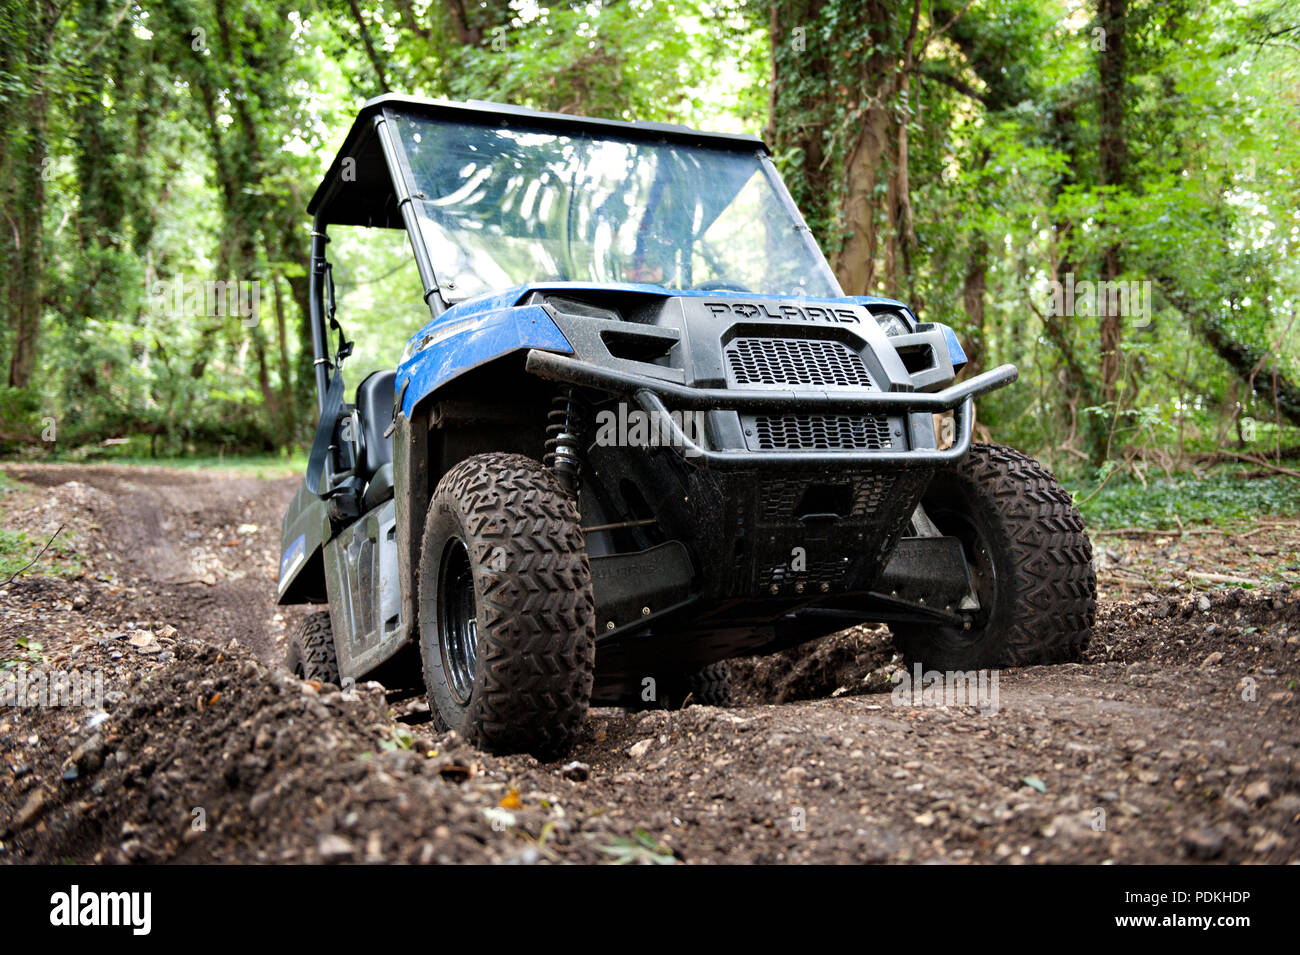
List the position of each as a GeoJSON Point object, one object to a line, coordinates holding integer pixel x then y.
{"type": "Point", "coordinates": [458, 620]}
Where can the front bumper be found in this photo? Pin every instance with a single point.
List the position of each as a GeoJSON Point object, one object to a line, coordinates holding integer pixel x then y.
{"type": "Point", "coordinates": [654, 395]}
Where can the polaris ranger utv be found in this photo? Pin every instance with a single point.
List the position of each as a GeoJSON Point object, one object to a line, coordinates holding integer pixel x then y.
{"type": "Point", "coordinates": [642, 431]}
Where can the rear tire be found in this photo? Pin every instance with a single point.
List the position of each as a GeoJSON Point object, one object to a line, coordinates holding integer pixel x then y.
{"type": "Point", "coordinates": [710, 686]}
{"type": "Point", "coordinates": [707, 686]}
{"type": "Point", "coordinates": [1031, 562]}
{"type": "Point", "coordinates": [507, 621]}
{"type": "Point", "coordinates": [311, 653]}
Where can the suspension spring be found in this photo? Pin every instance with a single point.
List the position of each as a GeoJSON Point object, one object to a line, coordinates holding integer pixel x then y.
{"type": "Point", "coordinates": [564, 430]}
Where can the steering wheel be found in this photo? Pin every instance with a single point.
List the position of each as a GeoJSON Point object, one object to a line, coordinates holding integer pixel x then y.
{"type": "Point", "coordinates": [723, 285]}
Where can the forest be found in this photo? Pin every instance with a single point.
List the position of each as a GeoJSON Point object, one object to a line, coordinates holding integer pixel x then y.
{"type": "Point", "coordinates": [1102, 192]}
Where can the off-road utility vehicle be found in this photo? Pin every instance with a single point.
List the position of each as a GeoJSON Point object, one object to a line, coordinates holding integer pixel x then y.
{"type": "Point", "coordinates": [641, 432]}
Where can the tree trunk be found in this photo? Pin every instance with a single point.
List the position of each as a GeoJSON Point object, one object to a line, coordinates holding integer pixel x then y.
{"type": "Point", "coordinates": [837, 73]}
{"type": "Point", "coordinates": [25, 278]}
{"type": "Point", "coordinates": [884, 75]}
{"type": "Point", "coordinates": [25, 218]}
{"type": "Point", "coordinates": [972, 300]}
{"type": "Point", "coordinates": [855, 262]}
{"type": "Point", "coordinates": [1113, 147]}
{"type": "Point", "coordinates": [800, 110]}
{"type": "Point", "coordinates": [289, 412]}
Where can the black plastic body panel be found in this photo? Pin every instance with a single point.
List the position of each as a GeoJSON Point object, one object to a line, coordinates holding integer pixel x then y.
{"type": "Point", "coordinates": [302, 534]}
{"type": "Point", "coordinates": [361, 569]}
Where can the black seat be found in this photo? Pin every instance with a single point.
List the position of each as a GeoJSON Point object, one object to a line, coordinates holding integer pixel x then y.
{"type": "Point", "coordinates": [379, 489]}
{"type": "Point", "coordinates": [375, 413]}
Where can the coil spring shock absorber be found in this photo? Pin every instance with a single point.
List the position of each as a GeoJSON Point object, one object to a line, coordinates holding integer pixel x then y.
{"type": "Point", "coordinates": [564, 430]}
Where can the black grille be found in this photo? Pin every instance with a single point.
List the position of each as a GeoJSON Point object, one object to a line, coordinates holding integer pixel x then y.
{"type": "Point", "coordinates": [822, 432]}
{"type": "Point", "coordinates": [796, 361]}
{"type": "Point", "coordinates": [778, 497]}
{"type": "Point", "coordinates": [817, 572]}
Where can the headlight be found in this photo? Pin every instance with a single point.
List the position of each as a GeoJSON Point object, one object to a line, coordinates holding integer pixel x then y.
{"type": "Point", "coordinates": [891, 323]}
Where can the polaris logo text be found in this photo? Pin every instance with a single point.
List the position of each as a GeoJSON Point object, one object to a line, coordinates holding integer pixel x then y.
{"type": "Point", "coordinates": [641, 429]}
{"type": "Point", "coordinates": [789, 313]}
{"type": "Point", "coordinates": [977, 688]}
{"type": "Point", "coordinates": [74, 908]}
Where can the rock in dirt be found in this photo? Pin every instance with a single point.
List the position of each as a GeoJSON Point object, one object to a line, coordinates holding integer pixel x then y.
{"type": "Point", "coordinates": [1203, 843]}
{"type": "Point", "coordinates": [1258, 793]}
{"type": "Point", "coordinates": [638, 750]}
{"type": "Point", "coordinates": [31, 810]}
{"type": "Point", "coordinates": [576, 771]}
{"type": "Point", "coordinates": [334, 848]}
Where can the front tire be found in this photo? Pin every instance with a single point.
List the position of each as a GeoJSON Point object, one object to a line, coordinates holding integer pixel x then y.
{"type": "Point", "coordinates": [506, 616]}
{"type": "Point", "coordinates": [1030, 559]}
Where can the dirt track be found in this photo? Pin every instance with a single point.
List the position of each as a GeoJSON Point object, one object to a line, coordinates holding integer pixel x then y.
{"type": "Point", "coordinates": [1175, 741]}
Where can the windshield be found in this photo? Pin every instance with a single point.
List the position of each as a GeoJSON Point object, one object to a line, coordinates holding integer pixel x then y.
{"type": "Point", "coordinates": [503, 206]}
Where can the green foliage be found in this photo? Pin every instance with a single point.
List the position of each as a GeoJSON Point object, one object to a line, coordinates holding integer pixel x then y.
{"type": "Point", "coordinates": [643, 849]}
{"type": "Point", "coordinates": [1166, 503]}
{"type": "Point", "coordinates": [628, 61]}
{"type": "Point", "coordinates": [17, 550]}
{"type": "Point", "coordinates": [19, 422]}
{"type": "Point", "coordinates": [400, 738]}
{"type": "Point", "coordinates": [24, 654]}
{"type": "Point", "coordinates": [1206, 223]}
{"type": "Point", "coordinates": [380, 299]}
{"type": "Point", "coordinates": [272, 465]}
{"type": "Point", "coordinates": [179, 140]}
{"type": "Point", "coordinates": [13, 552]}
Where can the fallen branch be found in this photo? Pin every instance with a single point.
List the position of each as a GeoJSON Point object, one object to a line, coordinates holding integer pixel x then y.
{"type": "Point", "coordinates": [1250, 533]}
{"type": "Point", "coordinates": [1125, 572]}
{"type": "Point", "coordinates": [1260, 462]}
{"type": "Point", "coordinates": [1220, 578]}
{"type": "Point", "coordinates": [1289, 453]}
{"type": "Point", "coordinates": [1133, 583]}
{"type": "Point", "coordinates": [1147, 532]}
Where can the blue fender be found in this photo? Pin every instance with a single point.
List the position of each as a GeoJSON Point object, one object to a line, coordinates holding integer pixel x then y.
{"type": "Point", "coordinates": [469, 335]}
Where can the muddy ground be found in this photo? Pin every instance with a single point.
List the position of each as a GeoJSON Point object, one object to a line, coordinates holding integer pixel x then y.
{"type": "Point", "coordinates": [1175, 741]}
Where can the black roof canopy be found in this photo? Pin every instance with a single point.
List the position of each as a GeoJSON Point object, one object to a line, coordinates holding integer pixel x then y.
{"type": "Point", "coordinates": [367, 197]}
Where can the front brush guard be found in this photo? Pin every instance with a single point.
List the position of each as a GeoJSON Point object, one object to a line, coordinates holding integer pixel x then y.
{"type": "Point", "coordinates": [650, 393]}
